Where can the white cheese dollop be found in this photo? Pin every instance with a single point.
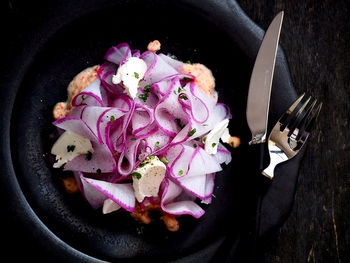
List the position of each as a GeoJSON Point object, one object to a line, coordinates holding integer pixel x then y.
{"type": "Point", "coordinates": [68, 146]}
{"type": "Point", "coordinates": [212, 140]}
{"type": "Point", "coordinates": [152, 174]}
{"type": "Point", "coordinates": [130, 73]}
{"type": "Point", "coordinates": [110, 206]}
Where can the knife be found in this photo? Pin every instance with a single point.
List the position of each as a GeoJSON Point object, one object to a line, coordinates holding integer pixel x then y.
{"type": "Point", "coordinates": [261, 82]}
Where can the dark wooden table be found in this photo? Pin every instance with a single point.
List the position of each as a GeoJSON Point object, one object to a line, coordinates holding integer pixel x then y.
{"type": "Point", "coordinates": [315, 38]}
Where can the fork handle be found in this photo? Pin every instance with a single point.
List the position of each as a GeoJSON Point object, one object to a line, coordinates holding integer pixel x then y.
{"type": "Point", "coordinates": [269, 170]}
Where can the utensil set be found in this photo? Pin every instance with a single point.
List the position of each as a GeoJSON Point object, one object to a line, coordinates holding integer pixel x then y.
{"type": "Point", "coordinates": [293, 128]}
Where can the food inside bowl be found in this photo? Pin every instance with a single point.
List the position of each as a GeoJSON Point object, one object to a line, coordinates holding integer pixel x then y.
{"type": "Point", "coordinates": [142, 132]}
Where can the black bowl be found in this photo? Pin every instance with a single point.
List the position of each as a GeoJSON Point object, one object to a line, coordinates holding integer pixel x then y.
{"type": "Point", "coordinates": [76, 35]}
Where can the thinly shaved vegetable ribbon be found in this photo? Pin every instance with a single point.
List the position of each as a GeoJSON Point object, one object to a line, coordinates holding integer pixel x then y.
{"type": "Point", "coordinates": [169, 118]}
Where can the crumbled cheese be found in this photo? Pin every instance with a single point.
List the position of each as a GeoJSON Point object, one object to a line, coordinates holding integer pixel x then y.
{"type": "Point", "coordinates": [225, 136]}
{"type": "Point", "coordinates": [109, 206]}
{"type": "Point", "coordinates": [130, 73]}
{"type": "Point", "coordinates": [213, 137]}
{"type": "Point", "coordinates": [152, 174]}
{"type": "Point", "coordinates": [68, 146]}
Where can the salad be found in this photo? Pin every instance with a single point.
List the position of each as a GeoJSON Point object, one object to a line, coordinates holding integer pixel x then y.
{"type": "Point", "coordinates": [141, 132]}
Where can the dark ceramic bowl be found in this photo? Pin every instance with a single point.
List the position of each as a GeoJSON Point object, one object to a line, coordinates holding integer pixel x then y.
{"type": "Point", "coordinates": [75, 35]}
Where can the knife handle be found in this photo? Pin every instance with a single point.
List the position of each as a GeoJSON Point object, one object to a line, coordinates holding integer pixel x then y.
{"type": "Point", "coordinates": [261, 156]}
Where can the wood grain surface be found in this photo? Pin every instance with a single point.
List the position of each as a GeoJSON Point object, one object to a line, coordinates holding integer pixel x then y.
{"type": "Point", "coordinates": [315, 38]}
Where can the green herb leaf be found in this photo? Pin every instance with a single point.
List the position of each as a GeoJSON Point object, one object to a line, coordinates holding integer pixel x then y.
{"type": "Point", "coordinates": [195, 145]}
{"type": "Point", "coordinates": [158, 145]}
{"type": "Point", "coordinates": [147, 88]}
{"type": "Point", "coordinates": [151, 157]}
{"type": "Point", "coordinates": [144, 96]}
{"type": "Point", "coordinates": [88, 156]}
{"type": "Point", "coordinates": [204, 124]}
{"type": "Point", "coordinates": [179, 90]}
{"type": "Point", "coordinates": [70, 148]}
{"type": "Point", "coordinates": [98, 171]}
{"type": "Point", "coordinates": [174, 92]}
{"type": "Point", "coordinates": [116, 153]}
{"type": "Point", "coordinates": [112, 118]}
{"type": "Point", "coordinates": [136, 175]}
{"type": "Point", "coordinates": [164, 160]}
{"type": "Point", "coordinates": [191, 132]}
{"type": "Point", "coordinates": [136, 75]}
{"type": "Point", "coordinates": [213, 145]}
{"type": "Point", "coordinates": [183, 96]}
{"type": "Point", "coordinates": [203, 139]}
{"type": "Point", "coordinates": [133, 139]}
{"type": "Point", "coordinates": [181, 172]}
{"type": "Point", "coordinates": [186, 79]}
{"type": "Point", "coordinates": [142, 164]}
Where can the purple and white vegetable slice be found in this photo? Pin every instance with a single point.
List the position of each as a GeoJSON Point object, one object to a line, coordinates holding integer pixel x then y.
{"type": "Point", "coordinates": [170, 118]}
{"type": "Point", "coordinates": [96, 191]}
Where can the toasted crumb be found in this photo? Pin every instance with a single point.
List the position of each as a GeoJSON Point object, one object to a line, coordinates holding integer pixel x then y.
{"type": "Point", "coordinates": [234, 141]}
{"type": "Point", "coordinates": [80, 82]}
{"type": "Point", "coordinates": [170, 222]}
{"type": "Point", "coordinates": [154, 46]}
{"type": "Point", "coordinates": [70, 184]}
{"type": "Point", "coordinates": [142, 215]}
{"type": "Point", "coordinates": [60, 110]}
{"type": "Point", "coordinates": [204, 77]}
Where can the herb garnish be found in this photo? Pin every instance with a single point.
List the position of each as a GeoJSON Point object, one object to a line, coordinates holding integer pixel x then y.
{"type": "Point", "coordinates": [151, 157]}
{"type": "Point", "coordinates": [191, 132]}
{"type": "Point", "coordinates": [164, 160]}
{"type": "Point", "coordinates": [136, 75]}
{"type": "Point", "coordinates": [88, 156]}
{"type": "Point", "coordinates": [98, 171]}
{"type": "Point", "coordinates": [136, 175]}
{"type": "Point", "coordinates": [133, 139]}
{"type": "Point", "coordinates": [147, 88]}
{"type": "Point", "coordinates": [112, 118]}
{"type": "Point", "coordinates": [144, 96]}
{"type": "Point", "coordinates": [183, 96]}
{"type": "Point", "coordinates": [70, 148]}
{"type": "Point", "coordinates": [213, 145]}
{"type": "Point", "coordinates": [158, 145]}
{"type": "Point", "coordinates": [181, 172]}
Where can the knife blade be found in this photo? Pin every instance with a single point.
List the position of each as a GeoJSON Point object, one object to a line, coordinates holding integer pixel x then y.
{"type": "Point", "coordinates": [261, 82]}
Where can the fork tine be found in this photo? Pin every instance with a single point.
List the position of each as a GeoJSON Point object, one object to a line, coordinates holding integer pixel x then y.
{"type": "Point", "coordinates": [301, 116]}
{"type": "Point", "coordinates": [295, 115]}
{"type": "Point", "coordinates": [307, 125]}
{"type": "Point", "coordinates": [288, 115]}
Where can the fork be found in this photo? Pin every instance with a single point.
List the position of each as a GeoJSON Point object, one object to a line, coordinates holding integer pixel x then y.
{"type": "Point", "coordinates": [291, 132]}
